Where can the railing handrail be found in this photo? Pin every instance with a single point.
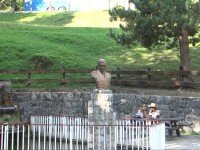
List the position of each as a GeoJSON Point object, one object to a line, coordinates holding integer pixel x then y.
{"type": "Point", "coordinates": [61, 115]}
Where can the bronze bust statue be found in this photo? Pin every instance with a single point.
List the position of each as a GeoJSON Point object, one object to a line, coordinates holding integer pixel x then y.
{"type": "Point", "coordinates": [101, 77]}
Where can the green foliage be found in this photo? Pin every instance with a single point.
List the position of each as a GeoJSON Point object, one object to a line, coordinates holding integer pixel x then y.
{"type": "Point", "coordinates": [9, 4]}
{"type": "Point", "coordinates": [28, 38]}
{"type": "Point", "coordinates": [156, 22]}
{"type": "Point", "coordinates": [7, 118]}
{"type": "Point", "coordinates": [190, 132]}
{"type": "Point", "coordinates": [19, 5]}
{"type": "Point", "coordinates": [5, 4]}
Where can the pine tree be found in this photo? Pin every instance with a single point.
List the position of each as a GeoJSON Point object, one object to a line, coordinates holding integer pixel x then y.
{"type": "Point", "coordinates": [155, 22]}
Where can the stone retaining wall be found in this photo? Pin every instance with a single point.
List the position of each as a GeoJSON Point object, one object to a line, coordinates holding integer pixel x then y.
{"type": "Point", "coordinates": [76, 103]}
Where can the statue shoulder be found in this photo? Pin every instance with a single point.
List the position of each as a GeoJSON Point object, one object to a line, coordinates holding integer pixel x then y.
{"type": "Point", "coordinates": [108, 73]}
{"type": "Point", "coordinates": [94, 73]}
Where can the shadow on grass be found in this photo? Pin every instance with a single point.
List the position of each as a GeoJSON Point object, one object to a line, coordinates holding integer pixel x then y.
{"type": "Point", "coordinates": [44, 18]}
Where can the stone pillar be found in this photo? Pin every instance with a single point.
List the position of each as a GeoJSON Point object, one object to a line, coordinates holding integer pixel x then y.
{"type": "Point", "coordinates": [5, 90]}
{"type": "Point", "coordinates": [100, 114]}
{"type": "Point", "coordinates": [5, 86]}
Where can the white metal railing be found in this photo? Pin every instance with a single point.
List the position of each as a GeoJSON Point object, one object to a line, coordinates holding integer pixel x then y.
{"type": "Point", "coordinates": [74, 133]}
{"type": "Point", "coordinates": [129, 132]}
{"type": "Point", "coordinates": [141, 133]}
{"type": "Point", "coordinates": [157, 136]}
{"type": "Point", "coordinates": [22, 137]}
{"type": "Point", "coordinates": [133, 133]}
{"type": "Point", "coordinates": [60, 126]}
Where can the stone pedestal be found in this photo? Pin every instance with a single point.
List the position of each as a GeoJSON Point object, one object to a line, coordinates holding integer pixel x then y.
{"type": "Point", "coordinates": [100, 117]}
{"type": "Point", "coordinates": [5, 86]}
{"type": "Point", "coordinates": [5, 90]}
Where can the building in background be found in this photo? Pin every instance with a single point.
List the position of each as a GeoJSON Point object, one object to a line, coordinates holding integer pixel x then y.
{"type": "Point", "coordinates": [72, 5]}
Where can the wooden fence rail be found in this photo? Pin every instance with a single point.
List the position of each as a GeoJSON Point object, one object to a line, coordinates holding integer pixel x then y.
{"type": "Point", "coordinates": [143, 78]}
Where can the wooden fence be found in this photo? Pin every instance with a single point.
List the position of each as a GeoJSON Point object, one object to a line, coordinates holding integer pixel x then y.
{"type": "Point", "coordinates": [143, 78]}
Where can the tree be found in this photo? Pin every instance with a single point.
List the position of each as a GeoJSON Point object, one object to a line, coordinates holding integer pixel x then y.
{"type": "Point", "coordinates": [155, 22]}
{"type": "Point", "coordinates": [14, 5]}
{"type": "Point", "coordinates": [4, 4]}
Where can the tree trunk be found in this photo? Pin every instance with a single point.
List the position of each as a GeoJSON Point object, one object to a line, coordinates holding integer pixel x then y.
{"type": "Point", "coordinates": [184, 54]}
{"type": "Point", "coordinates": [14, 5]}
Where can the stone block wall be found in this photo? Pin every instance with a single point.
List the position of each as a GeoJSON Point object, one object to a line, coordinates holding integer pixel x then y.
{"type": "Point", "coordinates": [76, 104]}
{"type": "Point", "coordinates": [170, 106]}
{"type": "Point", "coordinates": [52, 103]}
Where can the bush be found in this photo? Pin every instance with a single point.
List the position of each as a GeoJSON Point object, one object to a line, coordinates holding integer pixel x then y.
{"type": "Point", "coordinates": [190, 132]}
{"type": "Point", "coordinates": [5, 4]}
{"type": "Point", "coordinates": [19, 6]}
{"type": "Point", "coordinates": [8, 5]}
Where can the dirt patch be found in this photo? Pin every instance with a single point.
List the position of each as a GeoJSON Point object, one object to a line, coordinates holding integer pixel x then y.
{"type": "Point", "coordinates": [41, 62]}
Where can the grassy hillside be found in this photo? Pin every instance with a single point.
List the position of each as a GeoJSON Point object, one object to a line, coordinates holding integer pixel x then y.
{"type": "Point", "coordinates": [75, 40]}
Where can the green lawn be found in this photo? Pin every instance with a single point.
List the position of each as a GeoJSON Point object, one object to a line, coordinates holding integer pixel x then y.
{"type": "Point", "coordinates": [75, 40]}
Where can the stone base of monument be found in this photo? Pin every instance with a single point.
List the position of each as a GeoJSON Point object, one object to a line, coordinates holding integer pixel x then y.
{"type": "Point", "coordinates": [8, 108]}
{"type": "Point", "coordinates": [100, 114]}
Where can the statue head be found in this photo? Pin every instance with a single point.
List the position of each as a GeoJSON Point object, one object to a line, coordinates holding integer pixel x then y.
{"type": "Point", "coordinates": [101, 65]}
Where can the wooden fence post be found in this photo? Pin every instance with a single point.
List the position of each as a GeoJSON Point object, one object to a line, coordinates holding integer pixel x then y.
{"type": "Point", "coordinates": [118, 75]}
{"type": "Point", "coordinates": [149, 74]}
{"type": "Point", "coordinates": [29, 76]}
{"type": "Point", "coordinates": [64, 75]}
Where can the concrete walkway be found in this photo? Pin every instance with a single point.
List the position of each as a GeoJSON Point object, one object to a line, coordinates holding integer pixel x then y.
{"type": "Point", "coordinates": [185, 142]}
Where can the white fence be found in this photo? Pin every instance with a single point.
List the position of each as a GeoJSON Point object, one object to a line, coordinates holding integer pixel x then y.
{"type": "Point", "coordinates": [73, 133]}
{"type": "Point", "coordinates": [60, 126]}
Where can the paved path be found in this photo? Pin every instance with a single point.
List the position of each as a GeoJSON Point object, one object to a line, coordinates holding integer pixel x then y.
{"type": "Point", "coordinates": [185, 142]}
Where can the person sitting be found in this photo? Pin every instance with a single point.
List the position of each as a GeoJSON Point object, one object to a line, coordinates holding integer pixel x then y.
{"type": "Point", "coordinates": [153, 112]}
{"type": "Point", "coordinates": [141, 112]}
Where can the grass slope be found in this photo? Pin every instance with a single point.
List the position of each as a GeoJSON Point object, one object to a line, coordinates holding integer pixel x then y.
{"type": "Point", "coordinates": [75, 40]}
